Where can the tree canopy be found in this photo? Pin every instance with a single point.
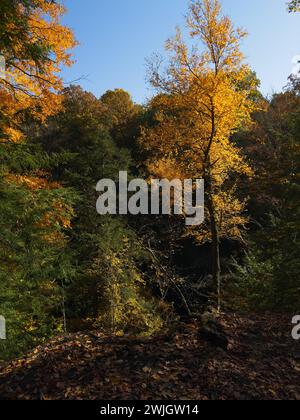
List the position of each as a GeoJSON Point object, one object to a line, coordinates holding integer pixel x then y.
{"type": "Point", "coordinates": [35, 46]}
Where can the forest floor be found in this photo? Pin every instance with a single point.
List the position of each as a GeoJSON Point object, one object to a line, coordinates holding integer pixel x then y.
{"type": "Point", "coordinates": [262, 362]}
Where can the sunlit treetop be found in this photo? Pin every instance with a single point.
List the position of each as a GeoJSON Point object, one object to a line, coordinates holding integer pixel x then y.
{"type": "Point", "coordinates": [35, 46]}
{"type": "Point", "coordinates": [206, 95]}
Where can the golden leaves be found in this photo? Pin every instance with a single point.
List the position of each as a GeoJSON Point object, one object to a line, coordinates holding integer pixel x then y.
{"type": "Point", "coordinates": [33, 183]}
{"type": "Point", "coordinates": [32, 84]}
{"type": "Point", "coordinates": [204, 100]}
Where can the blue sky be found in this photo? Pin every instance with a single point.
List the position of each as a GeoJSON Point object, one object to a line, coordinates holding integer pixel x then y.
{"type": "Point", "coordinates": [116, 36]}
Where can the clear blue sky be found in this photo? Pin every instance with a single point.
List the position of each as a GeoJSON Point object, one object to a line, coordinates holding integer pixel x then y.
{"type": "Point", "coordinates": [116, 36]}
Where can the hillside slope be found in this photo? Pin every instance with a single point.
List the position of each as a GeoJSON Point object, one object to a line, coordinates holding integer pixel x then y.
{"type": "Point", "coordinates": [263, 362]}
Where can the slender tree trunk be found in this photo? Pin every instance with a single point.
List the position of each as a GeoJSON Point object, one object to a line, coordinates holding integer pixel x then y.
{"type": "Point", "coordinates": [216, 263]}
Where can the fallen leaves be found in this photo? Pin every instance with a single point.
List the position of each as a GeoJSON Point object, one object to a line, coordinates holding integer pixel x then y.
{"type": "Point", "coordinates": [262, 363]}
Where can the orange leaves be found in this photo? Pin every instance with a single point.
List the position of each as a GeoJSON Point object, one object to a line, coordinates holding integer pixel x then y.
{"type": "Point", "coordinates": [59, 215]}
{"type": "Point", "coordinates": [32, 78]}
{"type": "Point", "coordinates": [32, 183]}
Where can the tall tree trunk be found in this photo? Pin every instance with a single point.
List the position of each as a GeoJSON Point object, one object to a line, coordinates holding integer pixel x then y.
{"type": "Point", "coordinates": [216, 263]}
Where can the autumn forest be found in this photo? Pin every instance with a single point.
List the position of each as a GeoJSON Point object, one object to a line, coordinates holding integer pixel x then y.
{"type": "Point", "coordinates": [144, 307]}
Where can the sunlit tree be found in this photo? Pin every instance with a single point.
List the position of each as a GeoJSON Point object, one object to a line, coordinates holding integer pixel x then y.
{"type": "Point", "coordinates": [205, 96]}
{"type": "Point", "coordinates": [35, 45]}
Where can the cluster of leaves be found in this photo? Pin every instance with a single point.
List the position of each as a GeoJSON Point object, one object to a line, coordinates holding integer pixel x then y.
{"type": "Point", "coordinates": [35, 46]}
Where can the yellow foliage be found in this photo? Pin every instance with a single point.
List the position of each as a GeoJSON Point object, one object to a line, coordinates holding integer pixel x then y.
{"type": "Point", "coordinates": [34, 86]}
{"type": "Point", "coordinates": [33, 183]}
{"type": "Point", "coordinates": [204, 100]}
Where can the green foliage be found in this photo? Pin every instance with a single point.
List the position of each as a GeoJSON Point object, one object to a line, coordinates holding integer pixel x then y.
{"type": "Point", "coordinates": [108, 291]}
{"type": "Point", "coordinates": [123, 118]}
{"type": "Point", "coordinates": [119, 299]}
{"type": "Point", "coordinates": [14, 28]}
{"type": "Point", "coordinates": [119, 107]}
{"type": "Point", "coordinates": [251, 287]}
{"type": "Point", "coordinates": [269, 277]}
{"type": "Point", "coordinates": [33, 263]}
